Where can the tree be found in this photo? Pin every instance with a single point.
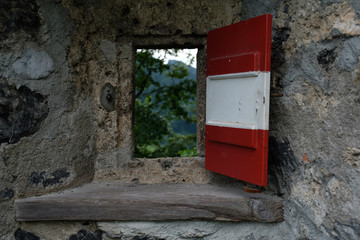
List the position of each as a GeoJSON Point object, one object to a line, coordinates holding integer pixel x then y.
{"type": "Point", "coordinates": [164, 95]}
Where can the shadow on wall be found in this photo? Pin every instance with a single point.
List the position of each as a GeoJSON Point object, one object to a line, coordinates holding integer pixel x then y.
{"type": "Point", "coordinates": [282, 162]}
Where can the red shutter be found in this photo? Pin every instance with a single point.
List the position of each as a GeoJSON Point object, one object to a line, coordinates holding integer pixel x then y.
{"type": "Point", "coordinates": [237, 99]}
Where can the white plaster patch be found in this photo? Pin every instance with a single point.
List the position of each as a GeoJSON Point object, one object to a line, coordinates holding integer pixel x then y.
{"type": "Point", "coordinates": [108, 49]}
{"type": "Point", "coordinates": [34, 64]}
{"type": "Point", "coordinates": [182, 230]}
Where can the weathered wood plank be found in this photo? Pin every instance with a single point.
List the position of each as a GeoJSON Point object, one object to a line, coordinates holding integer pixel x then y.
{"type": "Point", "coordinates": [108, 202]}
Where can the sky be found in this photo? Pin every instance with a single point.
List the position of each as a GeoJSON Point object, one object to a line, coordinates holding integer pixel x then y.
{"type": "Point", "coordinates": [182, 56]}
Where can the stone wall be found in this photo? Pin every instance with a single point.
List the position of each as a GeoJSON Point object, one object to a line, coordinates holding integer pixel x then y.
{"type": "Point", "coordinates": [58, 59]}
{"type": "Point", "coordinates": [47, 127]}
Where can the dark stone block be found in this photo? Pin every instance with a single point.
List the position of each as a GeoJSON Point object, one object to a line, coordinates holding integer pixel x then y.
{"type": "Point", "coordinates": [87, 3]}
{"type": "Point", "coordinates": [336, 33]}
{"type": "Point", "coordinates": [328, 2]}
{"type": "Point", "coordinates": [51, 181]}
{"type": "Point", "coordinates": [107, 97]}
{"type": "Point", "coordinates": [22, 235]}
{"type": "Point", "coordinates": [286, 9]}
{"type": "Point", "coordinates": [147, 238]}
{"type": "Point", "coordinates": [36, 177]}
{"type": "Point", "coordinates": [280, 35]}
{"type": "Point", "coordinates": [278, 56]}
{"type": "Point", "coordinates": [18, 14]}
{"type": "Point", "coordinates": [85, 235]}
{"type": "Point", "coordinates": [5, 159]}
{"type": "Point", "coordinates": [21, 112]}
{"type": "Point", "coordinates": [166, 164]}
{"type": "Point", "coordinates": [326, 57]}
{"type": "Point", "coordinates": [7, 193]}
{"type": "Point", "coordinates": [58, 175]}
{"type": "Point", "coordinates": [125, 10]}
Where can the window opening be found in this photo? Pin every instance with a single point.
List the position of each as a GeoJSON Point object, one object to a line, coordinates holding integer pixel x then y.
{"type": "Point", "coordinates": [165, 103]}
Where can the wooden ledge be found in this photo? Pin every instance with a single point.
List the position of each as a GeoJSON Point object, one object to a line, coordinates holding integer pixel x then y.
{"type": "Point", "coordinates": [111, 202]}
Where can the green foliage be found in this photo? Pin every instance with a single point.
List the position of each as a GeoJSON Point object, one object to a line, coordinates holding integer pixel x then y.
{"type": "Point", "coordinates": [160, 104]}
{"type": "Point", "coordinates": [146, 65]}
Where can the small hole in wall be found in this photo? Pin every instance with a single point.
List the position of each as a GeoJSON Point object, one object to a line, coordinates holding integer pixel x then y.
{"type": "Point", "coordinates": [165, 103]}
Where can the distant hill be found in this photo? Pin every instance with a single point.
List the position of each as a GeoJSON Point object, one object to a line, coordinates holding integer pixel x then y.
{"type": "Point", "coordinates": [164, 80]}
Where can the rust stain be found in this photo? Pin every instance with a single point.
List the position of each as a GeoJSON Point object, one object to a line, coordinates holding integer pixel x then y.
{"type": "Point", "coordinates": [306, 159]}
{"type": "Point", "coordinates": [119, 53]}
{"type": "Point", "coordinates": [251, 190]}
{"type": "Point", "coordinates": [278, 94]}
{"type": "Point", "coordinates": [357, 80]}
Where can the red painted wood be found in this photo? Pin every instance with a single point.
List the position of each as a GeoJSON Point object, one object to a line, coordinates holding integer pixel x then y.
{"type": "Point", "coordinates": [234, 64]}
{"type": "Point", "coordinates": [240, 47]}
{"type": "Point", "coordinates": [235, 136]}
{"type": "Point", "coordinates": [242, 163]}
{"type": "Point", "coordinates": [246, 38]}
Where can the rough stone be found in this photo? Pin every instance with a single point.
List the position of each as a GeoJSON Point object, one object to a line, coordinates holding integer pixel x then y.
{"type": "Point", "coordinates": [346, 232]}
{"type": "Point", "coordinates": [53, 130]}
{"type": "Point", "coordinates": [147, 238]}
{"type": "Point", "coordinates": [326, 57]}
{"type": "Point", "coordinates": [57, 177]}
{"type": "Point", "coordinates": [348, 56]}
{"type": "Point", "coordinates": [22, 235]}
{"type": "Point", "coordinates": [107, 97]}
{"type": "Point", "coordinates": [255, 8]}
{"type": "Point", "coordinates": [281, 154]}
{"type": "Point", "coordinates": [311, 68]}
{"type": "Point", "coordinates": [352, 157]}
{"type": "Point", "coordinates": [356, 6]}
{"type": "Point", "coordinates": [18, 15]}
{"type": "Point", "coordinates": [34, 64]}
{"type": "Point", "coordinates": [347, 23]}
{"type": "Point", "coordinates": [331, 1]}
{"type": "Point", "coordinates": [22, 112]}
{"type": "Point", "coordinates": [4, 64]}
{"type": "Point", "coordinates": [333, 186]}
{"type": "Point", "coordinates": [280, 36]}
{"type": "Point", "coordinates": [7, 193]}
{"type": "Point", "coordinates": [336, 33]}
{"type": "Point", "coordinates": [165, 170]}
{"type": "Point", "coordinates": [85, 235]}
{"type": "Point", "coordinates": [60, 230]}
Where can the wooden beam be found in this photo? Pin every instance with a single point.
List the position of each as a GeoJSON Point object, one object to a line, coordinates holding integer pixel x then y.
{"type": "Point", "coordinates": [107, 202]}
